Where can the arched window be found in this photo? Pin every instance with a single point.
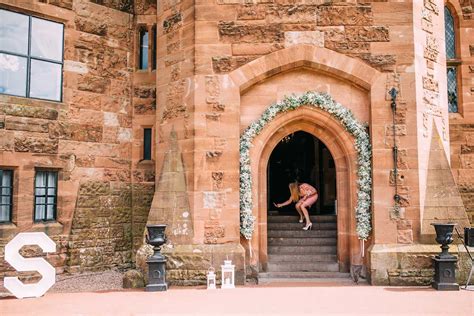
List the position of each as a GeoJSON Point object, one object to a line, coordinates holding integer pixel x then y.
{"type": "Point", "coordinates": [452, 60]}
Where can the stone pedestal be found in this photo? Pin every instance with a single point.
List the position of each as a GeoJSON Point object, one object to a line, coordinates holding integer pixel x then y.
{"type": "Point", "coordinates": [445, 274]}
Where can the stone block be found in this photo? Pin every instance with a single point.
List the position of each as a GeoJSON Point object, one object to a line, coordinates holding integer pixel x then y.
{"type": "Point", "coordinates": [26, 124]}
{"type": "Point", "coordinates": [66, 4]}
{"type": "Point", "coordinates": [29, 111]}
{"type": "Point", "coordinates": [36, 145]}
{"type": "Point", "coordinates": [315, 38]}
{"type": "Point", "coordinates": [345, 15]}
{"type": "Point", "coordinates": [225, 64]}
{"type": "Point", "coordinates": [232, 32]}
{"type": "Point", "coordinates": [405, 236]}
{"type": "Point", "coordinates": [367, 34]}
{"type": "Point", "coordinates": [251, 12]}
{"type": "Point", "coordinates": [97, 27]}
{"type": "Point", "coordinates": [93, 83]}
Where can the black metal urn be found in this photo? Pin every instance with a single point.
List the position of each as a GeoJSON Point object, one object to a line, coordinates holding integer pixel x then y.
{"type": "Point", "coordinates": [156, 263]}
{"type": "Point", "coordinates": [445, 263]}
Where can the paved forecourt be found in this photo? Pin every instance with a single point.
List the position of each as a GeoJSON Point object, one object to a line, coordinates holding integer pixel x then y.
{"type": "Point", "coordinates": [271, 299]}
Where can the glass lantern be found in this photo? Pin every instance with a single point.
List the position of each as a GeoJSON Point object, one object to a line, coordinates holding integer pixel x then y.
{"type": "Point", "coordinates": [228, 275]}
{"type": "Point", "coordinates": [211, 279]}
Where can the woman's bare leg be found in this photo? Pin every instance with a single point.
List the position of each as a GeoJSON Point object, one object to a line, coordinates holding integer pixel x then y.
{"type": "Point", "coordinates": [298, 208]}
{"type": "Point", "coordinates": [306, 215]}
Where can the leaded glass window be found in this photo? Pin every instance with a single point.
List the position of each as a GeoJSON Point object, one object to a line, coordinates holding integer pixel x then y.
{"type": "Point", "coordinates": [46, 183]}
{"type": "Point", "coordinates": [451, 60]}
{"type": "Point", "coordinates": [450, 34]}
{"type": "Point", "coordinates": [6, 195]}
{"type": "Point", "coordinates": [31, 56]}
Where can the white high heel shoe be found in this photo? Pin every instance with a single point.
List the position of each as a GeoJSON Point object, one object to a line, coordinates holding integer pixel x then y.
{"type": "Point", "coordinates": [308, 226]}
{"type": "Point", "coordinates": [301, 220]}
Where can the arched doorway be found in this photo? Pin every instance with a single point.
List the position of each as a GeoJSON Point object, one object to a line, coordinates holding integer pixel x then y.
{"type": "Point", "coordinates": [340, 144]}
{"type": "Point", "coordinates": [302, 157]}
{"type": "Point", "coordinates": [293, 252]}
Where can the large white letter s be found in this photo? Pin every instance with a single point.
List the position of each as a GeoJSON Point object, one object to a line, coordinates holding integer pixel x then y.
{"type": "Point", "coordinates": [20, 263]}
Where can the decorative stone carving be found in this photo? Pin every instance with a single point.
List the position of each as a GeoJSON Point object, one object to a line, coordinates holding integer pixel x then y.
{"type": "Point", "coordinates": [432, 48]}
{"type": "Point", "coordinates": [431, 6]}
{"type": "Point", "coordinates": [217, 178]}
{"type": "Point", "coordinates": [430, 84]}
{"type": "Point", "coordinates": [427, 21]}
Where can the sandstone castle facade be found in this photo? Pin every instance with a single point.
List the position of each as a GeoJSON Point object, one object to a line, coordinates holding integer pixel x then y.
{"type": "Point", "coordinates": [118, 113]}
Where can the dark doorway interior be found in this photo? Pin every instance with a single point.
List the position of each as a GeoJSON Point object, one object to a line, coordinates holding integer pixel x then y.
{"type": "Point", "coordinates": [301, 156]}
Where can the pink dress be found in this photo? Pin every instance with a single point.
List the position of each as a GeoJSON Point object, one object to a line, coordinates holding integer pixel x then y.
{"type": "Point", "coordinates": [308, 195]}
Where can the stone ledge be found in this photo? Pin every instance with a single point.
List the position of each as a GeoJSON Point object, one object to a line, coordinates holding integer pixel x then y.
{"type": "Point", "coordinates": [188, 264]}
{"type": "Point", "coordinates": [407, 265]}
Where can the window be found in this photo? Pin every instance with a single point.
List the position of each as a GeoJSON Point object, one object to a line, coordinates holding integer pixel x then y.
{"type": "Point", "coordinates": [147, 144]}
{"type": "Point", "coordinates": [153, 51]}
{"type": "Point", "coordinates": [452, 61]}
{"type": "Point", "coordinates": [143, 58]}
{"type": "Point", "coordinates": [31, 56]}
{"type": "Point", "coordinates": [46, 183]}
{"type": "Point", "coordinates": [6, 195]}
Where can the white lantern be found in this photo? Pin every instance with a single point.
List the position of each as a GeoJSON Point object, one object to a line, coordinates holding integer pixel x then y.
{"type": "Point", "coordinates": [211, 279]}
{"type": "Point", "coordinates": [228, 275]}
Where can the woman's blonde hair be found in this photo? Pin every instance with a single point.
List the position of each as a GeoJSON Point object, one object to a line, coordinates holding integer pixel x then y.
{"type": "Point", "coordinates": [295, 191]}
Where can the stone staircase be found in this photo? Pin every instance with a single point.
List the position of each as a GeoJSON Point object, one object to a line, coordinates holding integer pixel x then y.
{"type": "Point", "coordinates": [295, 254]}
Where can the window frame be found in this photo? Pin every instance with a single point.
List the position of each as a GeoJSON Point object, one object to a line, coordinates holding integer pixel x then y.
{"type": "Point", "coordinates": [455, 62]}
{"type": "Point", "coordinates": [55, 205]}
{"type": "Point", "coordinates": [29, 58]}
{"type": "Point", "coordinates": [10, 211]}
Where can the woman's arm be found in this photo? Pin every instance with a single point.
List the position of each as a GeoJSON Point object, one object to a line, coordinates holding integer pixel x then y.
{"type": "Point", "coordinates": [288, 202]}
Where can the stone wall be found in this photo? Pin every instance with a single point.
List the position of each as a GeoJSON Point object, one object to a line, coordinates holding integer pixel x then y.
{"type": "Point", "coordinates": [94, 137]}
{"type": "Point", "coordinates": [241, 32]}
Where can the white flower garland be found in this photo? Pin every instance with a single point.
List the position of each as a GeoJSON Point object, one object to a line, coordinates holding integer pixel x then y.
{"type": "Point", "coordinates": [362, 144]}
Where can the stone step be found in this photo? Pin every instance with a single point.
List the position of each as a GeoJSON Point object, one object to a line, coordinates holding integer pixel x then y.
{"type": "Point", "coordinates": [303, 275]}
{"type": "Point", "coordinates": [308, 241]}
{"type": "Point", "coordinates": [299, 226]}
{"type": "Point", "coordinates": [316, 266]}
{"type": "Point", "coordinates": [295, 218]}
{"type": "Point", "coordinates": [280, 250]}
{"type": "Point", "coordinates": [301, 233]}
{"type": "Point", "coordinates": [278, 258]}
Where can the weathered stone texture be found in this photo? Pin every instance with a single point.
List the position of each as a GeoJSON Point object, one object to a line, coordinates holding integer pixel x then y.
{"type": "Point", "coordinates": [36, 145]}
{"type": "Point", "coordinates": [122, 5]}
{"type": "Point", "coordinates": [232, 32]}
{"type": "Point", "coordinates": [223, 64]}
{"type": "Point", "coordinates": [345, 16]}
